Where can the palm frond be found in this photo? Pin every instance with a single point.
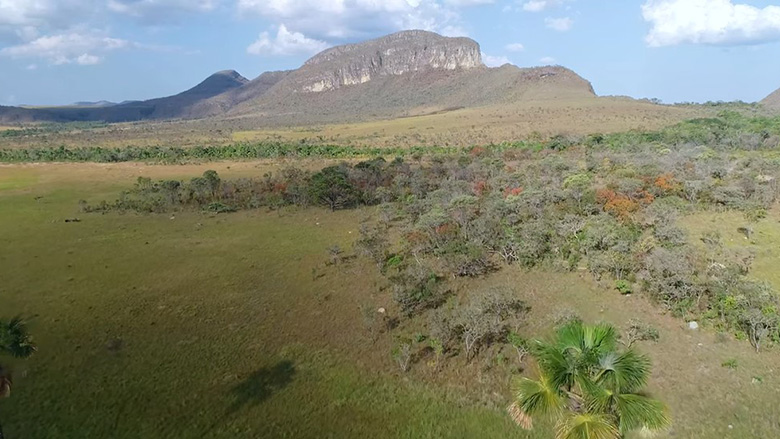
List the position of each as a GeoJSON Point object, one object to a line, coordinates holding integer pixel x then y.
{"type": "Point", "coordinates": [571, 337]}
{"type": "Point", "coordinates": [601, 337]}
{"type": "Point", "coordinates": [597, 398]}
{"type": "Point", "coordinates": [555, 364]}
{"type": "Point", "coordinates": [520, 417]}
{"type": "Point", "coordinates": [538, 398]}
{"type": "Point", "coordinates": [15, 340]}
{"type": "Point", "coordinates": [625, 372]}
{"type": "Point", "coordinates": [5, 383]}
{"type": "Point", "coordinates": [637, 411]}
{"type": "Point", "coordinates": [586, 426]}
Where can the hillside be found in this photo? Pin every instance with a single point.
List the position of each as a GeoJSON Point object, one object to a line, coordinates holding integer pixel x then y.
{"type": "Point", "coordinates": [172, 107]}
{"type": "Point", "coordinates": [403, 74]}
{"type": "Point", "coordinates": [773, 100]}
{"type": "Point", "coordinates": [406, 73]}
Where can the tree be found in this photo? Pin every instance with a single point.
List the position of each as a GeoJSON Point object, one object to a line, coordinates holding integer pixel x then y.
{"type": "Point", "coordinates": [16, 342]}
{"type": "Point", "coordinates": [591, 388]}
{"type": "Point", "coordinates": [332, 188]}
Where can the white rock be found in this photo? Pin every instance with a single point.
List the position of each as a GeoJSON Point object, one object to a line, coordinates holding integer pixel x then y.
{"type": "Point", "coordinates": [693, 325]}
{"type": "Point", "coordinates": [381, 310]}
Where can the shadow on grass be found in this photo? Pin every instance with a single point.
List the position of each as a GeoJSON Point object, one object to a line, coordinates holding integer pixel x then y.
{"type": "Point", "coordinates": [262, 384]}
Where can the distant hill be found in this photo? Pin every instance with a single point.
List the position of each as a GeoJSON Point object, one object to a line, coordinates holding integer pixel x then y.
{"type": "Point", "coordinates": [402, 74]}
{"type": "Point", "coordinates": [171, 107]}
{"type": "Point", "coordinates": [773, 100]}
{"type": "Point", "coordinates": [98, 104]}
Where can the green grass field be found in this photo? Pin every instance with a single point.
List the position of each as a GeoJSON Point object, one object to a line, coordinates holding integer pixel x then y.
{"type": "Point", "coordinates": [764, 243]}
{"type": "Point", "coordinates": [198, 325]}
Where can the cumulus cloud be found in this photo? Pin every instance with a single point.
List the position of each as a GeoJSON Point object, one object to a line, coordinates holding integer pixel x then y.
{"type": "Point", "coordinates": [541, 5]}
{"type": "Point", "coordinates": [342, 19]}
{"type": "Point", "coordinates": [286, 43]}
{"type": "Point", "coordinates": [559, 24]}
{"type": "Point", "coordinates": [716, 22]}
{"type": "Point", "coordinates": [25, 20]}
{"type": "Point", "coordinates": [160, 11]}
{"type": "Point", "coordinates": [515, 47]}
{"type": "Point", "coordinates": [468, 2]}
{"type": "Point", "coordinates": [40, 12]}
{"type": "Point", "coordinates": [67, 48]}
{"type": "Point", "coordinates": [494, 61]}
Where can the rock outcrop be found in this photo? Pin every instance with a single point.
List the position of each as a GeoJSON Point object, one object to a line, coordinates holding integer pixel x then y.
{"type": "Point", "coordinates": [393, 55]}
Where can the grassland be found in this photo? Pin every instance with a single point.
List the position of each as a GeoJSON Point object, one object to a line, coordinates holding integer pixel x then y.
{"type": "Point", "coordinates": [763, 243]}
{"type": "Point", "coordinates": [481, 125]}
{"type": "Point", "coordinates": [202, 325]}
{"type": "Point", "coordinates": [460, 127]}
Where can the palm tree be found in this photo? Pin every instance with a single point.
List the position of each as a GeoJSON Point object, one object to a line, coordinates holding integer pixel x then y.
{"type": "Point", "coordinates": [16, 342]}
{"type": "Point", "coordinates": [592, 389]}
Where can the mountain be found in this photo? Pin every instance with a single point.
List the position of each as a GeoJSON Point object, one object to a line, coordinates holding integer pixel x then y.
{"type": "Point", "coordinates": [179, 106]}
{"type": "Point", "coordinates": [773, 100]}
{"type": "Point", "coordinates": [94, 104]}
{"type": "Point", "coordinates": [402, 74]}
{"type": "Point", "coordinates": [410, 72]}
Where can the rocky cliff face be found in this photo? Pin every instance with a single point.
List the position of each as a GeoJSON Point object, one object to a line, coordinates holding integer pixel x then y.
{"type": "Point", "coordinates": [393, 55]}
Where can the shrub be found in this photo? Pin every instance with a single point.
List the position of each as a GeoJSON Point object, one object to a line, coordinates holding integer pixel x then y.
{"type": "Point", "coordinates": [416, 289]}
{"type": "Point", "coordinates": [623, 286]}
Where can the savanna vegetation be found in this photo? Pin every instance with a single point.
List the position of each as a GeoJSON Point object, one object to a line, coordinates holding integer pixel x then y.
{"type": "Point", "coordinates": [401, 278]}
{"type": "Point", "coordinates": [591, 205]}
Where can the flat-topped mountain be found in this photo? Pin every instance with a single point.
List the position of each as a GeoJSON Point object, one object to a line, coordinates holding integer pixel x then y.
{"type": "Point", "coordinates": [401, 74]}
{"type": "Point", "coordinates": [393, 55]}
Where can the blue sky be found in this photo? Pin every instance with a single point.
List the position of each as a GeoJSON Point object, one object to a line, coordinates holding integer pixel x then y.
{"type": "Point", "coordinates": [63, 51]}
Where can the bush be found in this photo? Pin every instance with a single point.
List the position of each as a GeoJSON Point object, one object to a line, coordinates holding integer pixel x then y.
{"type": "Point", "coordinates": [416, 289]}
{"type": "Point", "coordinates": [623, 286]}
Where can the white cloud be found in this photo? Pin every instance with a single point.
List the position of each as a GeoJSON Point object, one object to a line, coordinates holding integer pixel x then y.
{"type": "Point", "coordinates": [541, 5]}
{"type": "Point", "coordinates": [286, 43]}
{"type": "Point", "coordinates": [343, 19]}
{"type": "Point", "coordinates": [160, 11]}
{"type": "Point", "coordinates": [32, 67]}
{"type": "Point", "coordinates": [86, 59]}
{"type": "Point", "coordinates": [25, 20]}
{"type": "Point", "coordinates": [548, 60]}
{"type": "Point", "coordinates": [515, 47]}
{"type": "Point", "coordinates": [709, 22]}
{"type": "Point", "coordinates": [40, 12]}
{"type": "Point", "coordinates": [67, 48]}
{"type": "Point", "coordinates": [559, 24]}
{"type": "Point", "coordinates": [494, 61]}
{"type": "Point", "coordinates": [468, 2]}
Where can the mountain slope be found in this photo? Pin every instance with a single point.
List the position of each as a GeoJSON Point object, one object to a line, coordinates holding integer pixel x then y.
{"type": "Point", "coordinates": [773, 100]}
{"type": "Point", "coordinates": [171, 107]}
{"type": "Point", "coordinates": [253, 89]}
{"type": "Point", "coordinates": [406, 73]}
{"type": "Point", "coordinates": [401, 74]}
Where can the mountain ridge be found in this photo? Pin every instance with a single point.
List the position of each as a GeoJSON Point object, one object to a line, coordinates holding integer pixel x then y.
{"type": "Point", "coordinates": [396, 75]}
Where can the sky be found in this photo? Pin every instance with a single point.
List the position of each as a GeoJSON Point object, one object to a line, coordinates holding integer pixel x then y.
{"type": "Point", "coordinates": [56, 52]}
